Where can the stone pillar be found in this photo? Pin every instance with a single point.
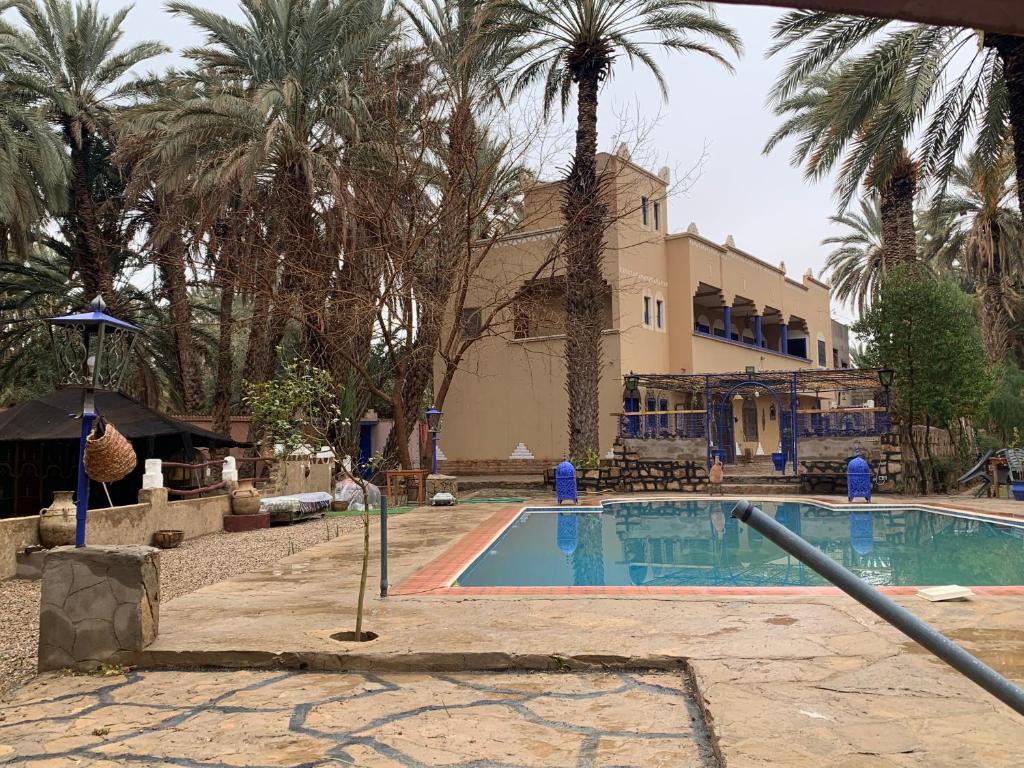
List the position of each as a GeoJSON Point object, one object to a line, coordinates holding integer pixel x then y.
{"type": "Point", "coordinates": [758, 332]}
{"type": "Point", "coordinates": [442, 484]}
{"type": "Point", "coordinates": [727, 321]}
{"type": "Point", "coordinates": [784, 341]}
{"type": "Point", "coordinates": [97, 603]}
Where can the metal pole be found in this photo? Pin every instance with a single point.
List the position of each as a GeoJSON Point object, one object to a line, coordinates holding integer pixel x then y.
{"type": "Point", "coordinates": [383, 546]}
{"type": "Point", "coordinates": [434, 440]}
{"type": "Point", "coordinates": [906, 622]}
{"type": "Point", "coordinates": [82, 493]}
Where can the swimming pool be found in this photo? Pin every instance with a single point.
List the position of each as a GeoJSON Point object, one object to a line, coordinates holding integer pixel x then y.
{"type": "Point", "coordinates": [697, 544]}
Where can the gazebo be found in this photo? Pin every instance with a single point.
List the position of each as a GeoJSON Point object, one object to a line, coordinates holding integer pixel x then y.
{"type": "Point", "coordinates": [753, 413]}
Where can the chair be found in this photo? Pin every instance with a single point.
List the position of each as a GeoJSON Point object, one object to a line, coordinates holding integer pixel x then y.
{"type": "Point", "coordinates": [1015, 465]}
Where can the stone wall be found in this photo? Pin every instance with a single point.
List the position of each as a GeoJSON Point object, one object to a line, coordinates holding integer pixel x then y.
{"type": "Point", "coordinates": [681, 449]}
{"type": "Point", "coordinates": [133, 524]}
{"type": "Point", "coordinates": [636, 473]}
{"type": "Point", "coordinates": [496, 466]}
{"type": "Point", "coordinates": [16, 533]}
{"type": "Point", "coordinates": [817, 448]}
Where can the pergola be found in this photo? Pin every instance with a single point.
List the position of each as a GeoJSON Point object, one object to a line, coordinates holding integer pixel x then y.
{"type": "Point", "coordinates": [991, 15]}
{"type": "Point", "coordinates": [711, 395]}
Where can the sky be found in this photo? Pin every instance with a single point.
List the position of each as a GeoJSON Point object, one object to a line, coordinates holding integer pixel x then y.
{"type": "Point", "coordinates": [713, 119]}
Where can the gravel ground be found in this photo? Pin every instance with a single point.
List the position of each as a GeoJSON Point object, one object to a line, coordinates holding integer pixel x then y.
{"type": "Point", "coordinates": [192, 565]}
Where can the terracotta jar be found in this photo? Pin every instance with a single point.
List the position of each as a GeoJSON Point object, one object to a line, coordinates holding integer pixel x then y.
{"type": "Point", "coordinates": [57, 521]}
{"type": "Point", "coordinates": [245, 499]}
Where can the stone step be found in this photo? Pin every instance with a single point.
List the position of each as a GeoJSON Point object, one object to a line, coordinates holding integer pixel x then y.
{"type": "Point", "coordinates": [756, 489]}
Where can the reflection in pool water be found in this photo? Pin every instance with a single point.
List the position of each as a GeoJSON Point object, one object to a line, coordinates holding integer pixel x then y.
{"type": "Point", "coordinates": [697, 543]}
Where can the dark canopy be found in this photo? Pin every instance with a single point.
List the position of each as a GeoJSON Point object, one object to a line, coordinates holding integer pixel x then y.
{"type": "Point", "coordinates": [52, 418]}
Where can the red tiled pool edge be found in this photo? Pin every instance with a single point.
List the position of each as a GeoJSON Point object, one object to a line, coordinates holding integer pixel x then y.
{"type": "Point", "coordinates": [436, 577]}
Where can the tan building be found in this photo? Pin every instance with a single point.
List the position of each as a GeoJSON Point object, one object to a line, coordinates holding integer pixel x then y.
{"type": "Point", "coordinates": [677, 303]}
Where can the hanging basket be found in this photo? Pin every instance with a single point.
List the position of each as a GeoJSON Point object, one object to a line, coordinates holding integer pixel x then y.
{"type": "Point", "coordinates": [109, 456]}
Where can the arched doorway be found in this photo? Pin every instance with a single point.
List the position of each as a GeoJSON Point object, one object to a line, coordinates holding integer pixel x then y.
{"type": "Point", "coordinates": [727, 421]}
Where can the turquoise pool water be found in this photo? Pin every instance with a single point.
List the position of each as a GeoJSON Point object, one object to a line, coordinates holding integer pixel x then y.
{"type": "Point", "coordinates": [697, 544]}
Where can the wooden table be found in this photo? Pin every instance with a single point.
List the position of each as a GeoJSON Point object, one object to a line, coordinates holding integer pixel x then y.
{"type": "Point", "coordinates": [395, 478]}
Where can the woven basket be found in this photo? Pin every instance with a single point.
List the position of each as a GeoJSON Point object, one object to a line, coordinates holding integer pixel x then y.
{"type": "Point", "coordinates": [109, 456]}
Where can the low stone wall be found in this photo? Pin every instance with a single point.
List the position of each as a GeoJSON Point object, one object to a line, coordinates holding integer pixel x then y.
{"type": "Point", "coordinates": [16, 533]}
{"type": "Point", "coordinates": [681, 449]}
{"type": "Point", "coordinates": [635, 473]}
{"type": "Point", "coordinates": [462, 468]}
{"type": "Point", "coordinates": [820, 448]}
{"type": "Point", "coordinates": [133, 524]}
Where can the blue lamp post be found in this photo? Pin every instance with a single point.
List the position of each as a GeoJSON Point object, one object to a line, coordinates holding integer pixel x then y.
{"type": "Point", "coordinates": [91, 350]}
{"type": "Point", "coordinates": [434, 425]}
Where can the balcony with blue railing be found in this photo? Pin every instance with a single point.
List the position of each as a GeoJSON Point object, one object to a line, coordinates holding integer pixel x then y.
{"type": "Point", "coordinates": [844, 422]}
{"type": "Point", "coordinates": [662, 425]}
{"type": "Point", "coordinates": [735, 340]}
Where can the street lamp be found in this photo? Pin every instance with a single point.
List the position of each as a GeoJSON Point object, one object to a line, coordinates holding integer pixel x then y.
{"type": "Point", "coordinates": [434, 425]}
{"type": "Point", "coordinates": [886, 376]}
{"type": "Point", "coordinates": [91, 350]}
{"type": "Point", "coordinates": [632, 382]}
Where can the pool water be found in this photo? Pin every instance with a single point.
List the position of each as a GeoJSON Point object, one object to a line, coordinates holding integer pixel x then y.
{"type": "Point", "coordinates": [698, 544]}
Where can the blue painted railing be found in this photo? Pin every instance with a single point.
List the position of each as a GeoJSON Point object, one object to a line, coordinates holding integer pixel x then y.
{"type": "Point", "coordinates": [662, 426]}
{"type": "Point", "coordinates": [842, 424]}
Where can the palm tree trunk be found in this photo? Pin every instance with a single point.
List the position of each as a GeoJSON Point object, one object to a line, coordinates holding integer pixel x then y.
{"type": "Point", "coordinates": [224, 388]}
{"type": "Point", "coordinates": [584, 285]}
{"type": "Point", "coordinates": [171, 264]}
{"type": "Point", "coordinates": [995, 319]}
{"type": "Point", "coordinates": [93, 260]}
{"type": "Point", "coordinates": [899, 238]}
{"type": "Point", "coordinates": [1011, 53]}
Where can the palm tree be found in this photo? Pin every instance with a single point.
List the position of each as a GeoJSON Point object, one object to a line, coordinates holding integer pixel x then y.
{"type": "Point", "coordinates": [855, 268]}
{"type": "Point", "coordinates": [66, 56]}
{"type": "Point", "coordinates": [274, 100]}
{"type": "Point", "coordinates": [938, 83]}
{"type": "Point", "coordinates": [33, 170]}
{"type": "Point", "coordinates": [839, 119]}
{"type": "Point", "coordinates": [574, 43]}
{"type": "Point", "coordinates": [975, 231]}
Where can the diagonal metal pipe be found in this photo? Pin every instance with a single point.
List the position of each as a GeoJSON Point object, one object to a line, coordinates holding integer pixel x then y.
{"type": "Point", "coordinates": [967, 665]}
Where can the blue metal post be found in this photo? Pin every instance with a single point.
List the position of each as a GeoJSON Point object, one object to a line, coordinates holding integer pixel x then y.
{"type": "Point", "coordinates": [727, 321]}
{"type": "Point", "coordinates": [82, 494]}
{"type": "Point", "coordinates": [793, 424]}
{"type": "Point", "coordinates": [383, 545]}
{"type": "Point", "coordinates": [434, 440]}
{"type": "Point", "coordinates": [709, 420]}
{"type": "Point", "coordinates": [758, 334]}
{"type": "Point", "coordinates": [784, 341]}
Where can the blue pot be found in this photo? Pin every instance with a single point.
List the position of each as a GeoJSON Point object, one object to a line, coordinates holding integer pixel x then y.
{"type": "Point", "coordinates": [779, 460]}
{"type": "Point", "coordinates": [1017, 488]}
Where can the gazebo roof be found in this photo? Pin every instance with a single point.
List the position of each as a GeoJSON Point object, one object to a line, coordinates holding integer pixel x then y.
{"type": "Point", "coordinates": [820, 380]}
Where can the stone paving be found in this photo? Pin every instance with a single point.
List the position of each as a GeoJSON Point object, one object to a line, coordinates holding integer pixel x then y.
{"type": "Point", "coordinates": [246, 718]}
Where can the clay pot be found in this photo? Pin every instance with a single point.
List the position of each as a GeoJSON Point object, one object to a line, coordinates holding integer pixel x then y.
{"type": "Point", "coordinates": [245, 499]}
{"type": "Point", "coordinates": [57, 521]}
{"type": "Point", "coordinates": [168, 539]}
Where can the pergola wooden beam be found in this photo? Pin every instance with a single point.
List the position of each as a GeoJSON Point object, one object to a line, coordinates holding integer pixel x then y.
{"type": "Point", "coordinates": [990, 15]}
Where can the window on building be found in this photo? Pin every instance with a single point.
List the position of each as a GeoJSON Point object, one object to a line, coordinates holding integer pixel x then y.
{"type": "Point", "coordinates": [652, 420]}
{"type": "Point", "coordinates": [520, 321]}
{"type": "Point", "coordinates": [643, 209]}
{"type": "Point", "coordinates": [470, 322]}
{"type": "Point", "coordinates": [660, 313]}
{"type": "Point", "coordinates": [663, 418]}
{"type": "Point", "coordinates": [822, 354]}
{"type": "Point", "coordinates": [647, 310]}
{"type": "Point", "coordinates": [657, 215]}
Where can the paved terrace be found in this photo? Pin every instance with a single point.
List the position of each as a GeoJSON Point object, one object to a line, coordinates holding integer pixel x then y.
{"type": "Point", "coordinates": [795, 680]}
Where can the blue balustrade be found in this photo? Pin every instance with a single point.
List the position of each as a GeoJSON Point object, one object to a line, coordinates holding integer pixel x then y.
{"type": "Point", "coordinates": [842, 424]}
{"type": "Point", "coordinates": [665, 426]}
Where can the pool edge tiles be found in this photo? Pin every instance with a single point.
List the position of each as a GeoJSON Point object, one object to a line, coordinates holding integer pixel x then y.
{"type": "Point", "coordinates": [439, 576]}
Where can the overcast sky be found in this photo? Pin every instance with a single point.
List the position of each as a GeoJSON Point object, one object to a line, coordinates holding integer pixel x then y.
{"type": "Point", "coordinates": [763, 202]}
